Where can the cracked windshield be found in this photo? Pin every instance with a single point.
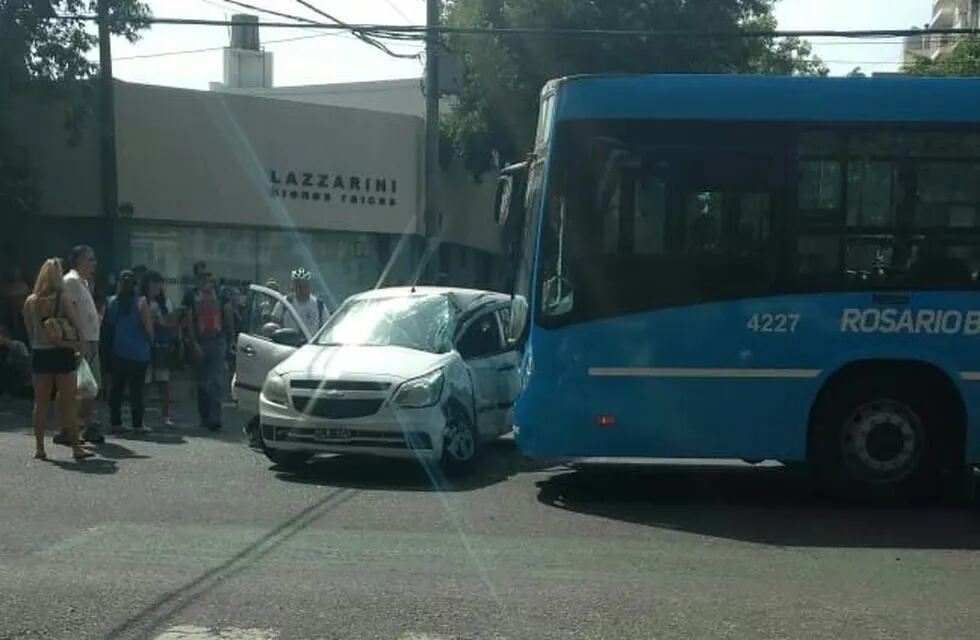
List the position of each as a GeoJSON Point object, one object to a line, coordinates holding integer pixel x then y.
{"type": "Point", "coordinates": [489, 319]}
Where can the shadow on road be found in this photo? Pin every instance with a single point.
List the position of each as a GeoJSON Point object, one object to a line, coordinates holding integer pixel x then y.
{"type": "Point", "coordinates": [768, 506]}
{"type": "Point", "coordinates": [114, 451]}
{"type": "Point", "coordinates": [92, 466]}
{"type": "Point", "coordinates": [157, 437]}
{"type": "Point", "coordinates": [500, 462]}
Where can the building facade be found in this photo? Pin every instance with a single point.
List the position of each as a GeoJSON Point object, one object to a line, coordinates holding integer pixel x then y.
{"type": "Point", "coordinates": [946, 14]}
{"type": "Point", "coordinates": [255, 187]}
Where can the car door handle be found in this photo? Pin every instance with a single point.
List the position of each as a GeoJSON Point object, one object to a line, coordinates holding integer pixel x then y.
{"type": "Point", "coordinates": [247, 350]}
{"type": "Point", "coordinates": [507, 367]}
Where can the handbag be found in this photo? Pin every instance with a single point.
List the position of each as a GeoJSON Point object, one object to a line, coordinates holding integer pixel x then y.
{"type": "Point", "coordinates": [58, 328]}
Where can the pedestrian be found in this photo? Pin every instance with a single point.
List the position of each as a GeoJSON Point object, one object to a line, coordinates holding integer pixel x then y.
{"type": "Point", "coordinates": [80, 306]}
{"type": "Point", "coordinates": [163, 352]}
{"type": "Point", "coordinates": [15, 291]}
{"type": "Point", "coordinates": [15, 366]}
{"type": "Point", "coordinates": [311, 309]}
{"type": "Point", "coordinates": [128, 334]}
{"type": "Point", "coordinates": [55, 345]}
{"type": "Point", "coordinates": [265, 306]}
{"type": "Point", "coordinates": [207, 319]}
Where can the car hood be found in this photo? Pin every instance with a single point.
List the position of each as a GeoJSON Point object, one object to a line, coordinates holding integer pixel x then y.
{"type": "Point", "coordinates": [395, 363]}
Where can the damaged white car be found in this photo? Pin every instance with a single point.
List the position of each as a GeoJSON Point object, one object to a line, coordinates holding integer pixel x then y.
{"type": "Point", "coordinates": [418, 372]}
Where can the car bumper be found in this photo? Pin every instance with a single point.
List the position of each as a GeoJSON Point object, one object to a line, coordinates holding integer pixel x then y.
{"type": "Point", "coordinates": [405, 433]}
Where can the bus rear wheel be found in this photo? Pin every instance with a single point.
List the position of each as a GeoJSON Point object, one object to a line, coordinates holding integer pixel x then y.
{"type": "Point", "coordinates": [879, 437]}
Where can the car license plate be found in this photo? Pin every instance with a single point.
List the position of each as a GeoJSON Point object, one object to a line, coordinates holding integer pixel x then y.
{"type": "Point", "coordinates": [333, 434]}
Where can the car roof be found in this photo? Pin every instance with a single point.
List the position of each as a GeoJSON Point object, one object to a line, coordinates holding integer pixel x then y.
{"type": "Point", "coordinates": [465, 299]}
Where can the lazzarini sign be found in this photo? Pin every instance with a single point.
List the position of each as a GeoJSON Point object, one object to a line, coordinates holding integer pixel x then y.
{"type": "Point", "coordinates": [371, 191]}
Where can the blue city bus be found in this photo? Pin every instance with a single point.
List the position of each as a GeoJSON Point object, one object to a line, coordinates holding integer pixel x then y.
{"type": "Point", "coordinates": [752, 267]}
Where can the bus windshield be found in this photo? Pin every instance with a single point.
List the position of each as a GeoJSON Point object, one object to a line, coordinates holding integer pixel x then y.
{"type": "Point", "coordinates": [642, 215]}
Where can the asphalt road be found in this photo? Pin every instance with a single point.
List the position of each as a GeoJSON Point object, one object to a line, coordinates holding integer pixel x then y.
{"type": "Point", "coordinates": [191, 536]}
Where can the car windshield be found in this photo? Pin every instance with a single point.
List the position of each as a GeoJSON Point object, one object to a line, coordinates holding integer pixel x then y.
{"type": "Point", "coordinates": [425, 323]}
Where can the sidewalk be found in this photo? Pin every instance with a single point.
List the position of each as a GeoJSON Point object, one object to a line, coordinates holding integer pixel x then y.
{"type": "Point", "coordinates": [15, 414]}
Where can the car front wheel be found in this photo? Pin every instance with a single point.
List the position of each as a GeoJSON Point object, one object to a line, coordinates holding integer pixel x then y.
{"type": "Point", "coordinates": [460, 443]}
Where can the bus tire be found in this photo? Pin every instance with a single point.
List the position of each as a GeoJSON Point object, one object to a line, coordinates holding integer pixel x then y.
{"type": "Point", "coordinates": [880, 436]}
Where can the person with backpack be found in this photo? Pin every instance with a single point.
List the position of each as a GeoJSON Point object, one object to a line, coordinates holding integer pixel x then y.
{"type": "Point", "coordinates": [310, 308]}
{"type": "Point", "coordinates": [207, 321]}
{"type": "Point", "coordinates": [128, 334]}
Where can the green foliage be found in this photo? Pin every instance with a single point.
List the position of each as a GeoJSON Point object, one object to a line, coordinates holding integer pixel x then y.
{"type": "Point", "coordinates": [46, 58]}
{"type": "Point", "coordinates": [962, 60]}
{"type": "Point", "coordinates": [504, 74]}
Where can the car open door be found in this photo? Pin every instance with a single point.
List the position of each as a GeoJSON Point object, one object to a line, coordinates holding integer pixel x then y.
{"type": "Point", "coordinates": [508, 380]}
{"type": "Point", "coordinates": [263, 342]}
{"type": "Point", "coordinates": [481, 345]}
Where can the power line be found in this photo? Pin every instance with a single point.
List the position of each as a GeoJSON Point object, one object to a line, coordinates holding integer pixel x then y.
{"type": "Point", "coordinates": [162, 54]}
{"type": "Point", "coordinates": [359, 33]}
{"type": "Point", "coordinates": [421, 30]}
{"type": "Point", "coordinates": [270, 12]}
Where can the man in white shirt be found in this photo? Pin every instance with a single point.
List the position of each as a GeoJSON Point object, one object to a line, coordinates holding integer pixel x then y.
{"type": "Point", "coordinates": [311, 310]}
{"type": "Point", "coordinates": [79, 304]}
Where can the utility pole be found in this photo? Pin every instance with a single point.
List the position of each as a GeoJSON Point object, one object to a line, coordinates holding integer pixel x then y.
{"type": "Point", "coordinates": [432, 226]}
{"type": "Point", "coordinates": [118, 245]}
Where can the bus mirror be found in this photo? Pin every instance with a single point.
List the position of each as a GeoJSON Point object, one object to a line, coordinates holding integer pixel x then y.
{"type": "Point", "coordinates": [518, 321]}
{"type": "Point", "coordinates": [505, 188]}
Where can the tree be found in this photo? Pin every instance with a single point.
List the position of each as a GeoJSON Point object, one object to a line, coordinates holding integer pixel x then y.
{"type": "Point", "coordinates": [497, 107]}
{"type": "Point", "coordinates": [46, 57]}
{"type": "Point", "coordinates": [963, 59]}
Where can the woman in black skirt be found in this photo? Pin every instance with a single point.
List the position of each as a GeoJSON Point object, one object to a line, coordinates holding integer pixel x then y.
{"type": "Point", "coordinates": [55, 355]}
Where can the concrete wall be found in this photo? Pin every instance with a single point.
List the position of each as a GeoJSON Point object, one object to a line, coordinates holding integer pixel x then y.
{"type": "Point", "coordinates": [229, 159]}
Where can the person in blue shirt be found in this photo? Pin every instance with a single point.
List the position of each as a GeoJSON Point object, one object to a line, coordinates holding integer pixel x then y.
{"type": "Point", "coordinates": [128, 334]}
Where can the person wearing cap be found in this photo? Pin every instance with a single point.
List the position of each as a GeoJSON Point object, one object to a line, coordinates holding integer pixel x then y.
{"type": "Point", "coordinates": [128, 334]}
{"type": "Point", "coordinates": [310, 308]}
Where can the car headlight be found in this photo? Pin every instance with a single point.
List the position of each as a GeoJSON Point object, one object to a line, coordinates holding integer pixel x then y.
{"type": "Point", "coordinates": [274, 390]}
{"type": "Point", "coordinates": [419, 392]}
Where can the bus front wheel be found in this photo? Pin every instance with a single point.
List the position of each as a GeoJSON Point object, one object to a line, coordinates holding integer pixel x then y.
{"type": "Point", "coordinates": [879, 437]}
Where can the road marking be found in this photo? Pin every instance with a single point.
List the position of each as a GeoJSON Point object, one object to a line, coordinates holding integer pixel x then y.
{"type": "Point", "coordinates": [191, 632]}
{"type": "Point", "coordinates": [688, 372]}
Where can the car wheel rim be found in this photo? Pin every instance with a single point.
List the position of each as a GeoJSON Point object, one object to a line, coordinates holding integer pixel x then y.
{"type": "Point", "coordinates": [459, 442]}
{"type": "Point", "coordinates": [882, 441]}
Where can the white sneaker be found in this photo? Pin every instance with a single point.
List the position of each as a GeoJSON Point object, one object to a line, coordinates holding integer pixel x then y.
{"type": "Point", "coordinates": [168, 423]}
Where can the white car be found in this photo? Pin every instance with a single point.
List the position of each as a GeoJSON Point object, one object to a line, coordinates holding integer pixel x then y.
{"type": "Point", "coordinates": [413, 372]}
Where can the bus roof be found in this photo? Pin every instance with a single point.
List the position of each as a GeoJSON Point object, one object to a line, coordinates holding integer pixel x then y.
{"type": "Point", "coordinates": [893, 99]}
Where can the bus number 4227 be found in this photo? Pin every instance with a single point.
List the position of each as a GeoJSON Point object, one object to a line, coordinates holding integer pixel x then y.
{"type": "Point", "coordinates": [773, 322]}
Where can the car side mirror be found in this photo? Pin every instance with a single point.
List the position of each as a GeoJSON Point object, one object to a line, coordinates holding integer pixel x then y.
{"type": "Point", "coordinates": [288, 337]}
{"type": "Point", "coordinates": [517, 330]}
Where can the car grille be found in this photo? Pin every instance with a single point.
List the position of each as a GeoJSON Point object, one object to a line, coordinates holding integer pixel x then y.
{"type": "Point", "coordinates": [339, 385]}
{"type": "Point", "coordinates": [337, 408]}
